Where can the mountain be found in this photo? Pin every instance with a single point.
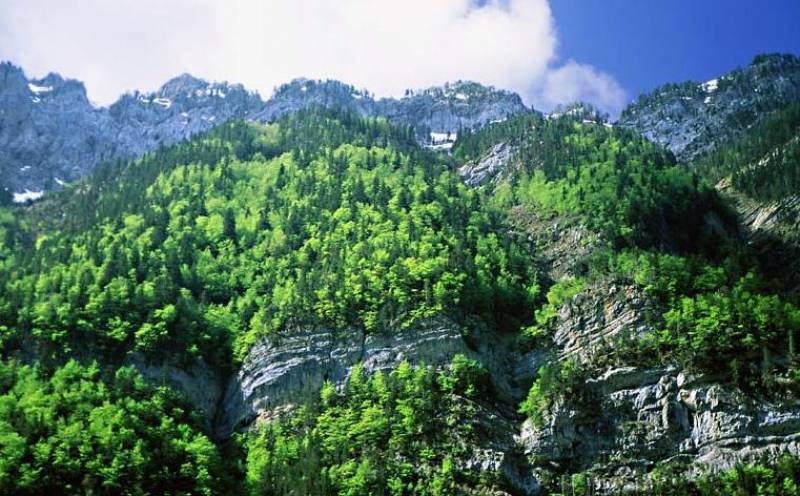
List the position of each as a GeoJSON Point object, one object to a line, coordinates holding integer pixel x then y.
{"type": "Point", "coordinates": [320, 305]}
{"type": "Point", "coordinates": [51, 134]}
{"type": "Point", "coordinates": [691, 118]}
{"type": "Point", "coordinates": [309, 298]}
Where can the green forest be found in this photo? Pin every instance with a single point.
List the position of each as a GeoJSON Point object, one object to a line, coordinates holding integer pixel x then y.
{"type": "Point", "coordinates": [195, 252]}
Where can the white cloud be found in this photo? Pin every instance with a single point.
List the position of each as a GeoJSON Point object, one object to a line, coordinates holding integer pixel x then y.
{"type": "Point", "coordinates": [386, 46]}
{"type": "Point", "coordinates": [574, 82]}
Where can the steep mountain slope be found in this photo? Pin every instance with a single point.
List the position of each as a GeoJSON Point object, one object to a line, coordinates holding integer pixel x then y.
{"type": "Point", "coordinates": [51, 134]}
{"type": "Point", "coordinates": [342, 315]}
{"type": "Point", "coordinates": [334, 236]}
{"type": "Point", "coordinates": [760, 174]}
{"type": "Point", "coordinates": [691, 119]}
{"type": "Point", "coordinates": [36, 148]}
{"type": "Point", "coordinates": [652, 371]}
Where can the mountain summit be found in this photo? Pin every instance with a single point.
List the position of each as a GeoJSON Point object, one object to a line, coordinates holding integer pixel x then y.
{"type": "Point", "coordinates": [51, 134]}
{"type": "Point", "coordinates": [692, 118]}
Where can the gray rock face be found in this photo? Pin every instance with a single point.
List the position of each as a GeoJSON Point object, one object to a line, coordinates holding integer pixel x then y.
{"type": "Point", "coordinates": [201, 385]}
{"type": "Point", "coordinates": [640, 417]}
{"type": "Point", "coordinates": [280, 371]}
{"type": "Point", "coordinates": [690, 118]}
{"type": "Point", "coordinates": [50, 133]}
{"type": "Point", "coordinates": [627, 419]}
{"type": "Point", "coordinates": [594, 319]}
{"type": "Point", "coordinates": [488, 167]}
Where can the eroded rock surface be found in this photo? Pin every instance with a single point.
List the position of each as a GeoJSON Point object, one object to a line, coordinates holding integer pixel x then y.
{"type": "Point", "coordinates": [281, 370]}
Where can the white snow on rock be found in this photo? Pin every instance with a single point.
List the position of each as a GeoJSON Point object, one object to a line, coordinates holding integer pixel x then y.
{"type": "Point", "coordinates": [164, 102]}
{"type": "Point", "coordinates": [38, 90]}
{"type": "Point", "coordinates": [27, 195]}
{"type": "Point", "coordinates": [60, 182]}
{"type": "Point", "coordinates": [23, 169]}
{"type": "Point", "coordinates": [710, 86]}
{"type": "Point", "coordinates": [442, 146]}
{"type": "Point", "coordinates": [462, 96]}
{"type": "Point", "coordinates": [442, 137]}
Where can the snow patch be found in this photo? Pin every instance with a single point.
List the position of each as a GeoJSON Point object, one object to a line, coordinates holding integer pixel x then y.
{"type": "Point", "coordinates": [710, 86]}
{"type": "Point", "coordinates": [462, 96]}
{"type": "Point", "coordinates": [23, 169]}
{"type": "Point", "coordinates": [442, 137]}
{"type": "Point", "coordinates": [164, 102]}
{"type": "Point", "coordinates": [442, 141]}
{"type": "Point", "coordinates": [442, 146]}
{"type": "Point", "coordinates": [38, 90]}
{"type": "Point", "coordinates": [35, 99]}
{"type": "Point", "coordinates": [27, 195]}
{"type": "Point", "coordinates": [60, 182]}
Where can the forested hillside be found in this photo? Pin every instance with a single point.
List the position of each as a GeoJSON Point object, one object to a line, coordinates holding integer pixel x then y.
{"type": "Point", "coordinates": [250, 235]}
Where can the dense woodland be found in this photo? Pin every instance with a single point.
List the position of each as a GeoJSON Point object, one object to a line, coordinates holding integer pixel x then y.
{"type": "Point", "coordinates": [196, 251]}
{"type": "Point", "coordinates": [765, 163]}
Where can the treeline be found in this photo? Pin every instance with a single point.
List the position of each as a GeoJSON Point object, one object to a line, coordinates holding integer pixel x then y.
{"type": "Point", "coordinates": [616, 181]}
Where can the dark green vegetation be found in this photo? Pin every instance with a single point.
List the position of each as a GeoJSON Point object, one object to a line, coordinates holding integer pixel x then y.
{"type": "Point", "coordinates": [615, 181]}
{"type": "Point", "coordinates": [198, 250]}
{"type": "Point", "coordinates": [765, 162]}
{"type": "Point", "coordinates": [400, 433]}
{"type": "Point", "coordinates": [663, 229]}
{"type": "Point", "coordinates": [778, 479]}
{"type": "Point", "coordinates": [324, 219]}
{"type": "Point", "coordinates": [77, 432]}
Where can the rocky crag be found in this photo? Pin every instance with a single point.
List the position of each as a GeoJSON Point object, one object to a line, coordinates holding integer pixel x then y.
{"type": "Point", "coordinates": [692, 118]}
{"type": "Point", "coordinates": [51, 133]}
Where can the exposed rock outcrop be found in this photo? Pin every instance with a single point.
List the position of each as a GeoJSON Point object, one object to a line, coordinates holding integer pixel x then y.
{"type": "Point", "coordinates": [51, 134]}
{"type": "Point", "coordinates": [280, 370]}
{"type": "Point", "coordinates": [595, 319]}
{"type": "Point", "coordinates": [488, 167]}
{"type": "Point", "coordinates": [639, 418]}
{"type": "Point", "coordinates": [624, 421]}
{"type": "Point", "coordinates": [691, 118]}
{"type": "Point", "coordinates": [199, 383]}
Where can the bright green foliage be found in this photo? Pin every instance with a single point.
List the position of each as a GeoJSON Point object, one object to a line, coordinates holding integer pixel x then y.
{"type": "Point", "coordinates": [737, 329]}
{"type": "Point", "coordinates": [75, 434]}
{"type": "Point", "coordinates": [612, 180]}
{"type": "Point", "coordinates": [554, 381]}
{"type": "Point", "coordinates": [389, 434]}
{"type": "Point", "coordinates": [558, 294]}
{"type": "Point", "coordinates": [780, 479]}
{"type": "Point", "coordinates": [320, 219]}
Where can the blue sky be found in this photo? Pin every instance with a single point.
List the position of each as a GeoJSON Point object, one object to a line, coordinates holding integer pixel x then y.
{"type": "Point", "coordinates": [645, 43]}
{"type": "Point", "coordinates": [549, 51]}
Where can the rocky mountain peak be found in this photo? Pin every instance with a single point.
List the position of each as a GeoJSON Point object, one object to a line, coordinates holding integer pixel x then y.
{"type": "Point", "coordinates": [53, 135]}
{"type": "Point", "coordinates": [183, 85]}
{"type": "Point", "coordinates": [693, 118]}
